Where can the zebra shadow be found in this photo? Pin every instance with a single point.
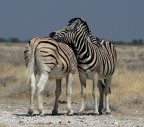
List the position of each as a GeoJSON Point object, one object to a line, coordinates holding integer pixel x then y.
{"type": "Point", "coordinates": [59, 114]}
{"type": "Point", "coordinates": [36, 115]}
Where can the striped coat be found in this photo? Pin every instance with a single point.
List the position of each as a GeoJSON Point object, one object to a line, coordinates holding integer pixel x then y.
{"type": "Point", "coordinates": [96, 59]}
{"type": "Point", "coordinates": [52, 60]}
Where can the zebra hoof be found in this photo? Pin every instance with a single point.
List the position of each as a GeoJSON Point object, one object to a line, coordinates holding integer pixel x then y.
{"type": "Point", "coordinates": [30, 112]}
{"type": "Point", "coordinates": [108, 113]}
{"type": "Point", "coordinates": [70, 113]}
{"type": "Point", "coordinates": [100, 111]}
{"type": "Point", "coordinates": [54, 112]}
{"type": "Point", "coordinates": [41, 112]}
{"type": "Point", "coordinates": [80, 113]}
{"type": "Point", "coordinates": [96, 113]}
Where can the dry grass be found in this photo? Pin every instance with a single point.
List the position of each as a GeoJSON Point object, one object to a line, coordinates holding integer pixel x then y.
{"type": "Point", "coordinates": [11, 67]}
{"type": "Point", "coordinates": [127, 83]}
{"type": "Point", "coordinates": [2, 125]}
{"type": "Point", "coordinates": [128, 80]}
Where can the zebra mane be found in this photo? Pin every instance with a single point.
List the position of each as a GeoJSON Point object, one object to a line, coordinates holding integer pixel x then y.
{"type": "Point", "coordinates": [84, 22]}
{"type": "Point", "coordinates": [72, 20]}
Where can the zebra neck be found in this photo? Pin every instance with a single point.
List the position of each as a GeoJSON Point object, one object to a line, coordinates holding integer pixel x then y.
{"type": "Point", "coordinates": [93, 39]}
{"type": "Point", "coordinates": [83, 44]}
{"type": "Point", "coordinates": [96, 41]}
{"type": "Point", "coordinates": [80, 45]}
{"type": "Point", "coordinates": [83, 49]}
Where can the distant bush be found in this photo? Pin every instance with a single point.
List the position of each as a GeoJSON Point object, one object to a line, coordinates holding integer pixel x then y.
{"type": "Point", "coordinates": [14, 39]}
{"type": "Point", "coordinates": [137, 42]}
{"type": "Point", "coordinates": [11, 39]}
{"type": "Point", "coordinates": [133, 42]}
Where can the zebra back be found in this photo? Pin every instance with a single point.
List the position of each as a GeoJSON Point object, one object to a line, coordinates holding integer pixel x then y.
{"type": "Point", "coordinates": [51, 54]}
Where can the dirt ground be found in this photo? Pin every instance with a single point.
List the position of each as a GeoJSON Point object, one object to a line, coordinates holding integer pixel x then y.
{"type": "Point", "coordinates": [13, 113]}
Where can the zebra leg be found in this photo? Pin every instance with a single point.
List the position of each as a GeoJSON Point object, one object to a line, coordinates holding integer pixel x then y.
{"type": "Point", "coordinates": [95, 82]}
{"type": "Point", "coordinates": [83, 93]}
{"type": "Point", "coordinates": [69, 93]}
{"type": "Point", "coordinates": [33, 88]}
{"type": "Point", "coordinates": [40, 87]}
{"type": "Point", "coordinates": [106, 91]}
{"type": "Point", "coordinates": [101, 100]}
{"type": "Point", "coordinates": [57, 95]}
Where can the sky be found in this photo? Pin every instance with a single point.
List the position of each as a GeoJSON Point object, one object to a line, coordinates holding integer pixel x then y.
{"type": "Point", "coordinates": [117, 20]}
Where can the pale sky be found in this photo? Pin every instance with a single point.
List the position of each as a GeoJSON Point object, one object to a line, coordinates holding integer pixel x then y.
{"type": "Point", "coordinates": [118, 20]}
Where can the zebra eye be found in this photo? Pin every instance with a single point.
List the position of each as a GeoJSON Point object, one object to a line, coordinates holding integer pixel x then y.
{"type": "Point", "coordinates": [69, 29]}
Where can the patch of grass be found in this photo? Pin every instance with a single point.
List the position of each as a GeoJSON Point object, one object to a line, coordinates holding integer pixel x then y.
{"type": "Point", "coordinates": [6, 80]}
{"type": "Point", "coordinates": [127, 83]}
{"type": "Point", "coordinates": [137, 99]}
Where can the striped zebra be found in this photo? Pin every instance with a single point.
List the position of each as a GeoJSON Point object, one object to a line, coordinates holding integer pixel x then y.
{"type": "Point", "coordinates": [52, 60]}
{"type": "Point", "coordinates": [96, 60]}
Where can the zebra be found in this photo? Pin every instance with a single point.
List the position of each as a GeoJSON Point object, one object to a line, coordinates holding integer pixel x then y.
{"type": "Point", "coordinates": [52, 60]}
{"type": "Point", "coordinates": [96, 61]}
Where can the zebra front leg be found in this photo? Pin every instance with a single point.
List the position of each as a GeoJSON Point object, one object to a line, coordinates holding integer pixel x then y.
{"type": "Point", "coordinates": [69, 93]}
{"type": "Point", "coordinates": [33, 88]}
{"type": "Point", "coordinates": [106, 92]}
{"type": "Point", "coordinates": [95, 83]}
{"type": "Point", "coordinates": [57, 95]}
{"type": "Point", "coordinates": [83, 94]}
{"type": "Point", "coordinates": [101, 100]}
{"type": "Point", "coordinates": [40, 87]}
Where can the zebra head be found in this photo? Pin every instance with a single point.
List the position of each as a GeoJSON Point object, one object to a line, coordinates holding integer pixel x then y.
{"type": "Point", "coordinates": [71, 32]}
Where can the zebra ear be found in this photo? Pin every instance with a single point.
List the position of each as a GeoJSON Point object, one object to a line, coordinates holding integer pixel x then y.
{"type": "Point", "coordinates": [76, 25]}
{"type": "Point", "coordinates": [81, 18]}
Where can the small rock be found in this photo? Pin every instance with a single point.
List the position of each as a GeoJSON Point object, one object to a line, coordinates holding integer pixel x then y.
{"type": "Point", "coordinates": [116, 123]}
{"type": "Point", "coordinates": [21, 122]}
{"type": "Point", "coordinates": [60, 122]}
{"type": "Point", "coordinates": [9, 106]}
{"type": "Point", "coordinates": [50, 123]}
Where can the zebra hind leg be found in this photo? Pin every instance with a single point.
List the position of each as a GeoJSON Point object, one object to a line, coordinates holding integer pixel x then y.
{"type": "Point", "coordinates": [57, 95]}
{"type": "Point", "coordinates": [83, 94]}
{"type": "Point", "coordinates": [106, 92]}
{"type": "Point", "coordinates": [95, 82]}
{"type": "Point", "coordinates": [69, 93]}
{"type": "Point", "coordinates": [40, 88]}
{"type": "Point", "coordinates": [33, 88]}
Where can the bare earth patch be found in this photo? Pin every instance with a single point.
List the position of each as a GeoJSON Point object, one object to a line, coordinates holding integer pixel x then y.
{"type": "Point", "coordinates": [14, 114]}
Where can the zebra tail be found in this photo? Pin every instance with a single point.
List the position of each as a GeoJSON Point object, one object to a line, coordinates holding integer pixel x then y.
{"type": "Point", "coordinates": [109, 90]}
{"type": "Point", "coordinates": [30, 67]}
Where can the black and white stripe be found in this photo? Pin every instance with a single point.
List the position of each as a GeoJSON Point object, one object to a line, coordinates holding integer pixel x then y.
{"type": "Point", "coordinates": [96, 59]}
{"type": "Point", "coordinates": [52, 60]}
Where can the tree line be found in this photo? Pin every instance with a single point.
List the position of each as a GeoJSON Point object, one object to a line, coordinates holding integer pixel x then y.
{"type": "Point", "coordinates": [133, 42]}
{"type": "Point", "coordinates": [11, 39]}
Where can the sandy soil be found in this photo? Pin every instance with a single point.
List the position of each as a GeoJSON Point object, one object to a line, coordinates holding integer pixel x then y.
{"type": "Point", "coordinates": [14, 114]}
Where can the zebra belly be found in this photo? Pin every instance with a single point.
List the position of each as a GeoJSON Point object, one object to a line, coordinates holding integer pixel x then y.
{"type": "Point", "coordinates": [57, 72]}
{"type": "Point", "coordinates": [88, 75]}
{"type": "Point", "coordinates": [92, 74]}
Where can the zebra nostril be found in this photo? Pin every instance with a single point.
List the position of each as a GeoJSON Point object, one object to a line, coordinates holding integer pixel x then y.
{"type": "Point", "coordinates": [52, 34]}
